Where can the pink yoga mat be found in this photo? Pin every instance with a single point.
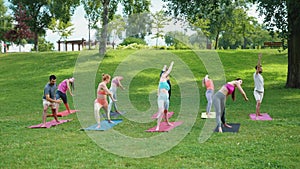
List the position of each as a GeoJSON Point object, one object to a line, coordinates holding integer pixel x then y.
{"type": "Point", "coordinates": [50, 124]}
{"type": "Point", "coordinates": [63, 113]}
{"type": "Point", "coordinates": [170, 114]}
{"type": "Point", "coordinates": [164, 127]}
{"type": "Point", "coordinates": [265, 116]}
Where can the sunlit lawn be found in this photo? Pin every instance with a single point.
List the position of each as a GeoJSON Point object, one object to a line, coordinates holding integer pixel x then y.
{"type": "Point", "coordinates": [258, 144]}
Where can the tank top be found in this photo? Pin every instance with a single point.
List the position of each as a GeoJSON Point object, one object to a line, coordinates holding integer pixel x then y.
{"type": "Point", "coordinates": [230, 88]}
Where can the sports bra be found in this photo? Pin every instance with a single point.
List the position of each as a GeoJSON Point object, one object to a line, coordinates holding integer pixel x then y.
{"type": "Point", "coordinates": [230, 88]}
{"type": "Point", "coordinates": [209, 84]}
{"type": "Point", "coordinates": [164, 85]}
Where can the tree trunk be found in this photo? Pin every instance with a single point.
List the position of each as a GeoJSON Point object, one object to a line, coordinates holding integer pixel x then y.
{"type": "Point", "coordinates": [89, 35]}
{"type": "Point", "coordinates": [293, 77]}
{"type": "Point", "coordinates": [36, 41]}
{"type": "Point", "coordinates": [217, 40]}
{"type": "Point", "coordinates": [103, 38]}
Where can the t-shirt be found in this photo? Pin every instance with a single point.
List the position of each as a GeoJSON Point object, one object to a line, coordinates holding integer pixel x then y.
{"type": "Point", "coordinates": [49, 90]}
{"type": "Point", "coordinates": [258, 82]}
{"type": "Point", "coordinates": [63, 87]}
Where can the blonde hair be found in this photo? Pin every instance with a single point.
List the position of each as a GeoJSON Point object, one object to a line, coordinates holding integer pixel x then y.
{"type": "Point", "coordinates": [105, 77]}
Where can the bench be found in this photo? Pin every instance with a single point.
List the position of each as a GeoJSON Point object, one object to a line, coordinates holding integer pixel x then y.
{"type": "Point", "coordinates": [272, 44]}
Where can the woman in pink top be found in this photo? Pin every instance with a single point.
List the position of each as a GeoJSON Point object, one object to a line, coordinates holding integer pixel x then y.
{"type": "Point", "coordinates": [63, 87]}
{"type": "Point", "coordinates": [219, 100]}
{"type": "Point", "coordinates": [209, 84]}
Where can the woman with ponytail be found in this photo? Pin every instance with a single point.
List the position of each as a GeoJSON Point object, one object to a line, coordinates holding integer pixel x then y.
{"type": "Point", "coordinates": [101, 100]}
{"type": "Point", "coordinates": [219, 100]}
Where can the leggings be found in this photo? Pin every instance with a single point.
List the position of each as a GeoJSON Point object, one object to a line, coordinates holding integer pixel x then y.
{"type": "Point", "coordinates": [113, 90]}
{"type": "Point", "coordinates": [163, 101]}
{"type": "Point", "coordinates": [209, 95]}
{"type": "Point", "coordinates": [219, 100]}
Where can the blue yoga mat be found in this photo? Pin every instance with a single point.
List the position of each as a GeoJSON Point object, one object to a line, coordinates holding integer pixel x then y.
{"type": "Point", "coordinates": [113, 114]}
{"type": "Point", "coordinates": [104, 125]}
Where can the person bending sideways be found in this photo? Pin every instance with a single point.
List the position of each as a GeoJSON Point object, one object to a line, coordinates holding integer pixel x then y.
{"type": "Point", "coordinates": [219, 99]}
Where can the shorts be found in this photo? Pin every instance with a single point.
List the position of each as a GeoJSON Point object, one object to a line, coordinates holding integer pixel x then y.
{"type": "Point", "coordinates": [163, 101]}
{"type": "Point", "coordinates": [258, 95]}
{"type": "Point", "coordinates": [47, 103]}
{"type": "Point", "coordinates": [61, 95]}
{"type": "Point", "coordinates": [102, 102]}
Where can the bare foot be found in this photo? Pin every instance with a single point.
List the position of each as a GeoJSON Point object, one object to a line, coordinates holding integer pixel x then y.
{"type": "Point", "coordinates": [208, 115]}
{"type": "Point", "coordinates": [43, 125]}
{"type": "Point", "coordinates": [170, 124]}
{"type": "Point", "coordinates": [57, 121]}
{"type": "Point", "coordinates": [110, 121]}
{"type": "Point", "coordinates": [157, 128]}
{"type": "Point", "coordinates": [220, 130]}
{"type": "Point", "coordinates": [98, 126]}
{"type": "Point", "coordinates": [259, 114]}
{"type": "Point", "coordinates": [228, 126]}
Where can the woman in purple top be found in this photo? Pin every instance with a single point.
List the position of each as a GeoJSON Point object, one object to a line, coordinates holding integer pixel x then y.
{"type": "Point", "coordinates": [115, 83]}
{"type": "Point", "coordinates": [219, 100]}
{"type": "Point", "coordinates": [63, 87]}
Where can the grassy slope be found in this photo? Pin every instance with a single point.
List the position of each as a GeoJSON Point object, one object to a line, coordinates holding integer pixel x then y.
{"type": "Point", "coordinates": [269, 144]}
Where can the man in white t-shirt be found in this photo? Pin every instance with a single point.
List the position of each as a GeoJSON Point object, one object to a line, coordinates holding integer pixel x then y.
{"type": "Point", "coordinates": [258, 85]}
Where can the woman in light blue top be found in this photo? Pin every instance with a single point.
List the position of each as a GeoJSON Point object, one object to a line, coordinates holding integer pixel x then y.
{"type": "Point", "coordinates": [163, 96]}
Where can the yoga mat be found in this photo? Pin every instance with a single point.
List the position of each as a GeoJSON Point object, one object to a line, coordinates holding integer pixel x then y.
{"type": "Point", "coordinates": [114, 114]}
{"type": "Point", "coordinates": [212, 115]}
{"type": "Point", "coordinates": [164, 127]}
{"type": "Point", "coordinates": [170, 114]}
{"type": "Point", "coordinates": [265, 116]}
{"type": "Point", "coordinates": [104, 125]}
{"type": "Point", "coordinates": [235, 128]}
{"type": "Point", "coordinates": [50, 124]}
{"type": "Point", "coordinates": [63, 113]}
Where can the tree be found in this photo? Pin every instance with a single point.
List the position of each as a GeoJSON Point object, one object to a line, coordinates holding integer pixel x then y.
{"type": "Point", "coordinates": [217, 12]}
{"type": "Point", "coordinates": [115, 28]}
{"type": "Point", "coordinates": [21, 32]}
{"type": "Point", "coordinates": [92, 14]}
{"type": "Point", "coordinates": [109, 8]}
{"type": "Point", "coordinates": [64, 30]}
{"type": "Point", "coordinates": [5, 20]}
{"type": "Point", "coordinates": [159, 21]}
{"type": "Point", "coordinates": [285, 14]}
{"type": "Point", "coordinates": [41, 12]}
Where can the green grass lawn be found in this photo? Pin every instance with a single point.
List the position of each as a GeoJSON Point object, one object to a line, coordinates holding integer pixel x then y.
{"type": "Point", "coordinates": [258, 144]}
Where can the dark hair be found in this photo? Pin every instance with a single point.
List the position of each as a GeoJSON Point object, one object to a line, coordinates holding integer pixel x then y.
{"type": "Point", "coordinates": [257, 67]}
{"type": "Point", "coordinates": [233, 93]}
{"type": "Point", "coordinates": [52, 77]}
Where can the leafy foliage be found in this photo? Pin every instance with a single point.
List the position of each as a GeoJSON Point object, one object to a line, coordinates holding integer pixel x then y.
{"type": "Point", "coordinates": [64, 30]}
{"type": "Point", "coordinates": [131, 40]}
{"type": "Point", "coordinates": [21, 30]}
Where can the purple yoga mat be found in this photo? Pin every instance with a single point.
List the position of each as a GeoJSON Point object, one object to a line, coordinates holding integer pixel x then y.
{"type": "Point", "coordinates": [164, 127]}
{"type": "Point", "coordinates": [170, 114]}
{"type": "Point", "coordinates": [265, 116]}
{"type": "Point", "coordinates": [49, 124]}
{"type": "Point", "coordinates": [63, 113]}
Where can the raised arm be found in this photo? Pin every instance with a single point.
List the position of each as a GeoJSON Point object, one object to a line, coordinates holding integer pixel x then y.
{"type": "Point", "coordinates": [258, 63]}
{"type": "Point", "coordinates": [170, 69]}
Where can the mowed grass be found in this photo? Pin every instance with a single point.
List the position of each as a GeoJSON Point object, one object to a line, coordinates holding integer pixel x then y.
{"type": "Point", "coordinates": [259, 144]}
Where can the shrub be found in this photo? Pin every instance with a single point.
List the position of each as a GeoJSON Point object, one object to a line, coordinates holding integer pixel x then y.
{"type": "Point", "coordinates": [131, 40]}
